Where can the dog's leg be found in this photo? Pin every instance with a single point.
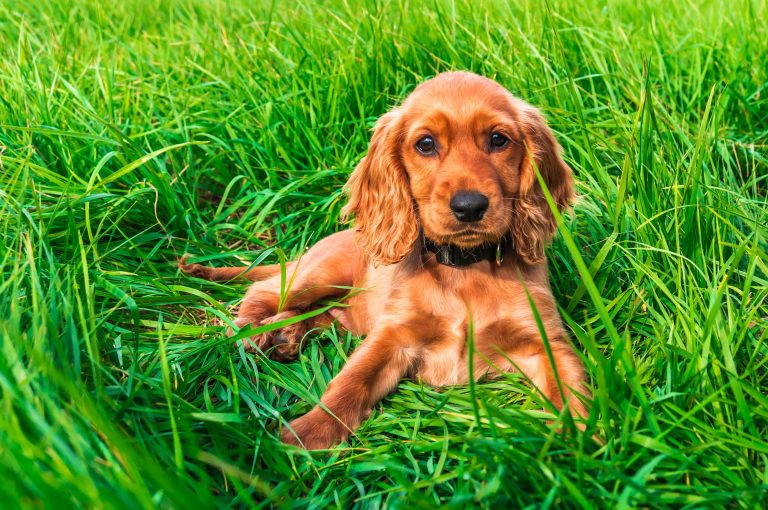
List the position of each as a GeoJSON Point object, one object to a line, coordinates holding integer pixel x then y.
{"type": "Point", "coordinates": [286, 341]}
{"type": "Point", "coordinates": [326, 270]}
{"type": "Point", "coordinates": [570, 372]}
{"type": "Point", "coordinates": [220, 274]}
{"type": "Point", "coordinates": [535, 363]}
{"type": "Point", "coordinates": [372, 371]}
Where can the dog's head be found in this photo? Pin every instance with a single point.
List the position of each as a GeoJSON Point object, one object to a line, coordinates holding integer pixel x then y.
{"type": "Point", "coordinates": [457, 159]}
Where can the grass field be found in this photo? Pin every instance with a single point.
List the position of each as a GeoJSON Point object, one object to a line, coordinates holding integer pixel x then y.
{"type": "Point", "coordinates": [134, 131]}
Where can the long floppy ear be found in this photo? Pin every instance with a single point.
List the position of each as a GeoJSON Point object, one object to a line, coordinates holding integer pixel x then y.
{"type": "Point", "coordinates": [380, 196]}
{"type": "Point", "coordinates": [533, 224]}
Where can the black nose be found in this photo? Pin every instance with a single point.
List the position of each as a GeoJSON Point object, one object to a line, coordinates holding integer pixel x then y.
{"type": "Point", "coordinates": [469, 205]}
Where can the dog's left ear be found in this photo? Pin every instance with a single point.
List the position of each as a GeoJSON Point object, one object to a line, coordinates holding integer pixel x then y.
{"type": "Point", "coordinates": [533, 224]}
{"type": "Point", "coordinates": [380, 196]}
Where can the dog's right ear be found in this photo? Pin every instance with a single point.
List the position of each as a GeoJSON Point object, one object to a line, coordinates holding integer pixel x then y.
{"type": "Point", "coordinates": [380, 196]}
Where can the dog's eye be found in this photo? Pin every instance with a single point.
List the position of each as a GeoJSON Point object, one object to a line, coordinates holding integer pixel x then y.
{"type": "Point", "coordinates": [426, 145]}
{"type": "Point", "coordinates": [498, 140]}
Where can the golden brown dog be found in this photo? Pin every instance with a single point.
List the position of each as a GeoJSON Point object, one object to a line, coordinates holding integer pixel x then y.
{"type": "Point", "coordinates": [451, 226]}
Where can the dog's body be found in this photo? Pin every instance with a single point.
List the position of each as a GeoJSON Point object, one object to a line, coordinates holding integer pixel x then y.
{"type": "Point", "coordinates": [451, 225]}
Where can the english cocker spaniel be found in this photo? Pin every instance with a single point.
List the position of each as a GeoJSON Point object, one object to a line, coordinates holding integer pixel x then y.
{"type": "Point", "coordinates": [450, 228]}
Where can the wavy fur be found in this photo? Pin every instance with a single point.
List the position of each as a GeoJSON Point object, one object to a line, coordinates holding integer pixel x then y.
{"type": "Point", "coordinates": [380, 198]}
{"type": "Point", "coordinates": [414, 311]}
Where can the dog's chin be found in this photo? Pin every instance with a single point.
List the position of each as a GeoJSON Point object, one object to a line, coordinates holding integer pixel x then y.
{"type": "Point", "coordinates": [474, 241]}
{"type": "Point", "coordinates": [467, 237]}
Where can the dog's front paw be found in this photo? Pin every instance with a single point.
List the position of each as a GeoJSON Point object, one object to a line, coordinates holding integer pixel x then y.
{"type": "Point", "coordinates": [285, 341]}
{"type": "Point", "coordinates": [255, 343]}
{"type": "Point", "coordinates": [281, 344]}
{"type": "Point", "coordinates": [316, 430]}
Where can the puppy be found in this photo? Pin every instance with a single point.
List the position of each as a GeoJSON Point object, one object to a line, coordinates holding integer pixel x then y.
{"type": "Point", "coordinates": [450, 229]}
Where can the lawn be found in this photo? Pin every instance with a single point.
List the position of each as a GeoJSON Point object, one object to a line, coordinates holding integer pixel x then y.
{"type": "Point", "coordinates": [132, 132]}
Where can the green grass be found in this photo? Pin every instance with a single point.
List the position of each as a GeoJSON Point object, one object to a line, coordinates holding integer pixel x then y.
{"type": "Point", "coordinates": [134, 131]}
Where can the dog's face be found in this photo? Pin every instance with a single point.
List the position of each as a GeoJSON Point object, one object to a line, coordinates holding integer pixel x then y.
{"type": "Point", "coordinates": [462, 149]}
{"type": "Point", "coordinates": [457, 160]}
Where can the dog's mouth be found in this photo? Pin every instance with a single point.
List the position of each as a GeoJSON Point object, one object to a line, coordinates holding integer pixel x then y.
{"type": "Point", "coordinates": [442, 228]}
{"type": "Point", "coordinates": [470, 237]}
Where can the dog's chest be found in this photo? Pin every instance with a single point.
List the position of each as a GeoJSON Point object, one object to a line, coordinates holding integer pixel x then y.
{"type": "Point", "coordinates": [463, 320]}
